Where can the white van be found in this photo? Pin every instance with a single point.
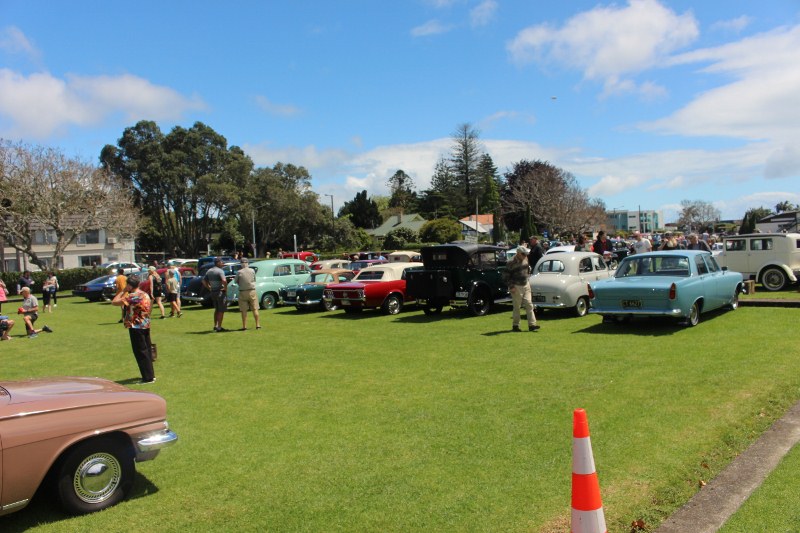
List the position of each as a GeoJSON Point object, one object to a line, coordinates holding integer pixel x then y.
{"type": "Point", "coordinates": [772, 259]}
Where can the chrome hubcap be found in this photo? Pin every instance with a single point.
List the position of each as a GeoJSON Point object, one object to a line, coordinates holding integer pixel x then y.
{"type": "Point", "coordinates": [97, 477]}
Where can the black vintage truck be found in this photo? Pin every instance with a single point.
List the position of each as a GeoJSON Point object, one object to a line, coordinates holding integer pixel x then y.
{"type": "Point", "coordinates": [462, 275]}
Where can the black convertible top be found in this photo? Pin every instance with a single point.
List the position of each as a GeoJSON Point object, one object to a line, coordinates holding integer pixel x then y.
{"type": "Point", "coordinates": [458, 254]}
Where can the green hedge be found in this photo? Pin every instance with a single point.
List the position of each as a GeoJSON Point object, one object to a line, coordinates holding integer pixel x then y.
{"type": "Point", "coordinates": [67, 279]}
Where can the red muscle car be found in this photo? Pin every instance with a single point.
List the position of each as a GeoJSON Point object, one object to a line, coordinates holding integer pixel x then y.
{"type": "Point", "coordinates": [382, 286]}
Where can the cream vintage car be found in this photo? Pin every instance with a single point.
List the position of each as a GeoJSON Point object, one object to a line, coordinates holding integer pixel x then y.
{"type": "Point", "coordinates": [771, 259]}
{"type": "Point", "coordinates": [560, 280]}
{"type": "Point", "coordinates": [79, 436]}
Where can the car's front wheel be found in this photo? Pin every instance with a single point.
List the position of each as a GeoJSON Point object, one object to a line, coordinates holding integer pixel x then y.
{"type": "Point", "coordinates": [734, 303]}
{"type": "Point", "coordinates": [773, 279]}
{"type": "Point", "coordinates": [582, 306]}
{"type": "Point", "coordinates": [328, 305]}
{"type": "Point", "coordinates": [392, 305]}
{"type": "Point", "coordinates": [269, 300]}
{"type": "Point", "coordinates": [479, 302]}
{"type": "Point", "coordinates": [94, 475]}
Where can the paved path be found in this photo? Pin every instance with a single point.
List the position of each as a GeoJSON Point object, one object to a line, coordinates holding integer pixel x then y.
{"type": "Point", "coordinates": [710, 508]}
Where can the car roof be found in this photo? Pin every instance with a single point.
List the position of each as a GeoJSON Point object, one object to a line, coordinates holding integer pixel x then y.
{"type": "Point", "coordinates": [390, 266]}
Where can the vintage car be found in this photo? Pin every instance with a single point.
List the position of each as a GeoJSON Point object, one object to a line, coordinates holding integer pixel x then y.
{"type": "Point", "coordinates": [194, 292]}
{"type": "Point", "coordinates": [361, 264]}
{"type": "Point", "coordinates": [329, 264]}
{"type": "Point", "coordinates": [95, 290]}
{"type": "Point", "coordinates": [272, 275]}
{"type": "Point", "coordinates": [79, 436]}
{"type": "Point", "coordinates": [772, 259]}
{"type": "Point", "coordinates": [382, 286]}
{"type": "Point", "coordinates": [309, 294]}
{"type": "Point", "coordinates": [679, 284]}
{"type": "Point", "coordinates": [308, 257]}
{"type": "Point", "coordinates": [113, 266]}
{"type": "Point", "coordinates": [460, 275]}
{"type": "Point", "coordinates": [404, 256]}
{"type": "Point", "coordinates": [560, 281]}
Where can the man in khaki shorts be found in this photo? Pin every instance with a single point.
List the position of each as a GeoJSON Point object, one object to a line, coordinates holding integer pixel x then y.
{"type": "Point", "coordinates": [246, 280]}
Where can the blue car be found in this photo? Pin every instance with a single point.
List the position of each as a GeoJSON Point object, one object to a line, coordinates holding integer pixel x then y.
{"type": "Point", "coordinates": [678, 284]}
{"type": "Point", "coordinates": [94, 290]}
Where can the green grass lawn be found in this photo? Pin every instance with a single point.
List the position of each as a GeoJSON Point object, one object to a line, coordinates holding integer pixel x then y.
{"type": "Point", "coordinates": [330, 422]}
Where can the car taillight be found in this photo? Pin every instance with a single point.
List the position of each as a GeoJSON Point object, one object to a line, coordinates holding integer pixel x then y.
{"type": "Point", "coordinates": [673, 290]}
{"type": "Point", "coordinates": [591, 292]}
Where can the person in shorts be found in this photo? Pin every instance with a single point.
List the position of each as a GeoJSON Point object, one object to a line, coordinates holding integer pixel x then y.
{"type": "Point", "coordinates": [246, 280]}
{"type": "Point", "coordinates": [30, 313]}
{"type": "Point", "coordinates": [215, 282]}
{"type": "Point", "coordinates": [5, 327]}
{"type": "Point", "coordinates": [173, 286]}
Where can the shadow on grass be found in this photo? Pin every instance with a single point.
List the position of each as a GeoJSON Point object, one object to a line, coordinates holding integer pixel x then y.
{"type": "Point", "coordinates": [648, 326]}
{"type": "Point", "coordinates": [129, 381]}
{"type": "Point", "coordinates": [44, 509]}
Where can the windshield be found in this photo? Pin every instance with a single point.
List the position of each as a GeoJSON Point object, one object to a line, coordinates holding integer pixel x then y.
{"type": "Point", "coordinates": [666, 265]}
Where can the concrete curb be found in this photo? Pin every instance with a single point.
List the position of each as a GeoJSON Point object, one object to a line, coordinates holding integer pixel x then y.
{"type": "Point", "coordinates": [710, 508]}
{"type": "Point", "coordinates": [766, 302]}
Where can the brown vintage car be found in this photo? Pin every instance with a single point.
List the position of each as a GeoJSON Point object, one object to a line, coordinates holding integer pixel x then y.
{"type": "Point", "coordinates": [79, 436]}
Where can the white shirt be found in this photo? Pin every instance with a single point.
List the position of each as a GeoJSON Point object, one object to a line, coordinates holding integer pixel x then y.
{"type": "Point", "coordinates": [642, 246]}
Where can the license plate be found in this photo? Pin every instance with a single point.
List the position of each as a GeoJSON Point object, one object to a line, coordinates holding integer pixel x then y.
{"type": "Point", "coordinates": [538, 298]}
{"type": "Point", "coordinates": [291, 294]}
{"type": "Point", "coordinates": [462, 294]}
{"type": "Point", "coordinates": [632, 304]}
{"type": "Point", "coordinates": [345, 302]}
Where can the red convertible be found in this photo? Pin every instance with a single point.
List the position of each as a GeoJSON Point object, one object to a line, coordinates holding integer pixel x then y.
{"type": "Point", "coordinates": [381, 286]}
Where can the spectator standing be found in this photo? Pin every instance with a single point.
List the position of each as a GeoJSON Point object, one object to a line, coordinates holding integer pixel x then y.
{"type": "Point", "coordinates": [25, 280]}
{"type": "Point", "coordinates": [48, 292]}
{"type": "Point", "coordinates": [696, 244]}
{"type": "Point", "coordinates": [55, 287]}
{"type": "Point", "coordinates": [156, 289]}
{"type": "Point", "coordinates": [215, 282]}
{"type": "Point", "coordinates": [516, 276]}
{"type": "Point", "coordinates": [135, 304]}
{"type": "Point", "coordinates": [669, 242]}
{"type": "Point", "coordinates": [535, 253]}
{"type": "Point", "coordinates": [173, 292]}
{"type": "Point", "coordinates": [602, 244]}
{"type": "Point", "coordinates": [580, 245]}
{"type": "Point", "coordinates": [246, 280]}
{"type": "Point", "coordinates": [640, 244]}
{"type": "Point", "coordinates": [3, 292]}
{"type": "Point", "coordinates": [120, 283]}
{"type": "Point", "coordinates": [30, 313]}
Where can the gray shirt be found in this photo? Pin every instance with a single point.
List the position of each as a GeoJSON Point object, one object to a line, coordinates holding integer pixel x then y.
{"type": "Point", "coordinates": [215, 277]}
{"type": "Point", "coordinates": [246, 279]}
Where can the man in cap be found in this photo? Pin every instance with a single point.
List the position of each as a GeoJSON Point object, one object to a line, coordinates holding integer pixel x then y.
{"type": "Point", "coordinates": [516, 276]}
{"type": "Point", "coordinates": [30, 312]}
{"type": "Point", "coordinates": [246, 281]}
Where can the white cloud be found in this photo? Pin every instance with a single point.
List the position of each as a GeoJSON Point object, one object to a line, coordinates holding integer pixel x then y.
{"type": "Point", "coordinates": [608, 44]}
{"type": "Point", "coordinates": [432, 27]}
{"type": "Point", "coordinates": [734, 25]}
{"type": "Point", "coordinates": [41, 105]}
{"type": "Point", "coordinates": [13, 41]}
{"type": "Point", "coordinates": [284, 110]}
{"type": "Point", "coordinates": [483, 13]}
{"type": "Point", "coordinates": [762, 101]}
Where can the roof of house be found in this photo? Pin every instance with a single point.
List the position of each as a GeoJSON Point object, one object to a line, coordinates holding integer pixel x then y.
{"type": "Point", "coordinates": [412, 221]}
{"type": "Point", "coordinates": [471, 224]}
{"type": "Point", "coordinates": [486, 220]}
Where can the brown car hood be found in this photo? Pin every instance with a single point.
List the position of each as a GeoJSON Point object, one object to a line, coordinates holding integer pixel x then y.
{"type": "Point", "coordinates": [64, 392]}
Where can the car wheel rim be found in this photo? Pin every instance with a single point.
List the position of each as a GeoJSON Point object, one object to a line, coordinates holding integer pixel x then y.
{"type": "Point", "coordinates": [394, 306]}
{"type": "Point", "coordinates": [694, 315]}
{"type": "Point", "coordinates": [773, 280]}
{"type": "Point", "coordinates": [581, 307]}
{"type": "Point", "coordinates": [735, 301]}
{"type": "Point", "coordinates": [97, 478]}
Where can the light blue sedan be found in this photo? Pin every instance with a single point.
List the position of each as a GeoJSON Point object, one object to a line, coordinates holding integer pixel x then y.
{"type": "Point", "coordinates": [679, 284]}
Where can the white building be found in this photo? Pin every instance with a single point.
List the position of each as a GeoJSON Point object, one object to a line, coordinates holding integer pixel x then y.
{"type": "Point", "coordinates": [91, 248]}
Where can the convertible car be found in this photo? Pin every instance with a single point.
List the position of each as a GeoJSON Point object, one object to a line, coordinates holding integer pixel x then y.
{"type": "Point", "coordinates": [382, 286]}
{"type": "Point", "coordinates": [679, 284]}
{"type": "Point", "coordinates": [309, 294]}
{"type": "Point", "coordinates": [78, 436]}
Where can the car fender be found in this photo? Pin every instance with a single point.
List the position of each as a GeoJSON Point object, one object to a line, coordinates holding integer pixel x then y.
{"type": "Point", "coordinates": [788, 271]}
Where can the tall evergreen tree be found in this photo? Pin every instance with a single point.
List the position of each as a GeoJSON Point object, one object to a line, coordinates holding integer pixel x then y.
{"type": "Point", "coordinates": [401, 186]}
{"type": "Point", "coordinates": [362, 211]}
{"type": "Point", "coordinates": [465, 156]}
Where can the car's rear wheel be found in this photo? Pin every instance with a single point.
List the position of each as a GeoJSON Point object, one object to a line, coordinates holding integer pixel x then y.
{"type": "Point", "coordinates": [694, 315]}
{"type": "Point", "coordinates": [773, 279]}
{"type": "Point", "coordinates": [94, 475]}
{"type": "Point", "coordinates": [392, 305]}
{"type": "Point", "coordinates": [479, 302]}
{"type": "Point", "coordinates": [582, 306]}
{"type": "Point", "coordinates": [269, 300]}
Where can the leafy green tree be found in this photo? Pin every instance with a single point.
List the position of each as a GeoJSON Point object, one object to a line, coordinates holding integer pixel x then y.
{"type": "Point", "coordinates": [403, 196]}
{"type": "Point", "coordinates": [399, 238]}
{"type": "Point", "coordinates": [440, 230]}
{"type": "Point", "coordinates": [185, 181]}
{"type": "Point", "coordinates": [443, 196]}
{"type": "Point", "coordinates": [785, 206]}
{"type": "Point", "coordinates": [362, 211]}
{"type": "Point", "coordinates": [751, 218]}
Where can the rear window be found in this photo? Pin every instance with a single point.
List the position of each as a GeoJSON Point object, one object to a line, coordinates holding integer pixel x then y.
{"type": "Point", "coordinates": [672, 265]}
{"type": "Point", "coordinates": [551, 266]}
{"type": "Point", "coordinates": [370, 275]}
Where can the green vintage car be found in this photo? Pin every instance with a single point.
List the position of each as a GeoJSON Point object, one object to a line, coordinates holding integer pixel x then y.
{"type": "Point", "coordinates": [272, 275]}
{"type": "Point", "coordinates": [308, 295]}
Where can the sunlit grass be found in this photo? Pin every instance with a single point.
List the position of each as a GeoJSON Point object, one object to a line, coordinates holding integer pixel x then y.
{"type": "Point", "coordinates": [330, 422]}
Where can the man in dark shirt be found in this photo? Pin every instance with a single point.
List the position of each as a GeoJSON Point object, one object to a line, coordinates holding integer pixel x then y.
{"type": "Point", "coordinates": [536, 252]}
{"type": "Point", "coordinates": [215, 282]}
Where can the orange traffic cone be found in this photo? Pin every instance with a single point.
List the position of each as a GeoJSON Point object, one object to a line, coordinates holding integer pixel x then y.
{"type": "Point", "coordinates": [587, 507]}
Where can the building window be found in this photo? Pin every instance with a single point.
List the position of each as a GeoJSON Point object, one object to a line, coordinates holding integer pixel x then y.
{"type": "Point", "coordinates": [89, 260]}
{"type": "Point", "coordinates": [89, 237]}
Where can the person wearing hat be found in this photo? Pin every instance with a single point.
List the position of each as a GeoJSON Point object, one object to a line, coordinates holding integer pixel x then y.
{"type": "Point", "coordinates": [30, 312]}
{"type": "Point", "coordinates": [246, 281]}
{"type": "Point", "coordinates": [135, 303]}
{"type": "Point", "coordinates": [516, 276]}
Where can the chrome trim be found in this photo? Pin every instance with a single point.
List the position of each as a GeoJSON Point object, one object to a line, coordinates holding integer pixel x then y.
{"type": "Point", "coordinates": [156, 441]}
{"type": "Point", "coordinates": [16, 505]}
{"type": "Point", "coordinates": [677, 313]}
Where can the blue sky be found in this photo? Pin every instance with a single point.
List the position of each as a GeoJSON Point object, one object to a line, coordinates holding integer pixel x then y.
{"type": "Point", "coordinates": [646, 102]}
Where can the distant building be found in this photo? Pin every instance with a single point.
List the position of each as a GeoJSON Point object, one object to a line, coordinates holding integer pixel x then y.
{"type": "Point", "coordinates": [91, 248]}
{"type": "Point", "coordinates": [646, 221]}
{"type": "Point", "coordinates": [412, 221]}
{"type": "Point", "coordinates": [782, 222]}
{"type": "Point", "coordinates": [472, 228]}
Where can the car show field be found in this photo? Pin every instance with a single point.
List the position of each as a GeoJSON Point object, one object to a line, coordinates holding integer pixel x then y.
{"type": "Point", "coordinates": [339, 422]}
